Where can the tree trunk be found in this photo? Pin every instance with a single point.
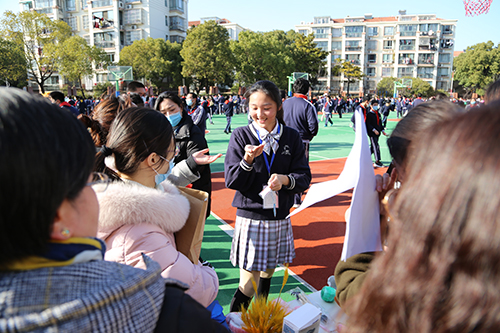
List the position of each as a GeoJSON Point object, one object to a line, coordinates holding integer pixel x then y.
{"type": "Point", "coordinates": [81, 87]}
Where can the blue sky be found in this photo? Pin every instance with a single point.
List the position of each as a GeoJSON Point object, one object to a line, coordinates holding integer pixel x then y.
{"type": "Point", "coordinates": [266, 15]}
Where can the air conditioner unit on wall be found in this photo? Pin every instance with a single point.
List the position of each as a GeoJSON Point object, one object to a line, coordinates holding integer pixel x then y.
{"type": "Point", "coordinates": [120, 5]}
{"type": "Point", "coordinates": [133, 27]}
{"type": "Point", "coordinates": [128, 6]}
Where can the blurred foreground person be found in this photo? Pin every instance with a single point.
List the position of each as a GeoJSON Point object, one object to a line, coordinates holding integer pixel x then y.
{"type": "Point", "coordinates": [52, 274]}
{"type": "Point", "coordinates": [441, 270]}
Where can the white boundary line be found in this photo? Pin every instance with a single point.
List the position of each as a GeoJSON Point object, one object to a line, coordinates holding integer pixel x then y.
{"type": "Point", "coordinates": [229, 230]}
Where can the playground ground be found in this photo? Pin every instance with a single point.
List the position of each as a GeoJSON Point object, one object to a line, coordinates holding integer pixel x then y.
{"type": "Point", "coordinates": [318, 230]}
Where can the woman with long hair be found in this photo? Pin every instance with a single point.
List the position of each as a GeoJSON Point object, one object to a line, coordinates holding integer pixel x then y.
{"type": "Point", "coordinates": [141, 212]}
{"type": "Point", "coordinates": [442, 267]}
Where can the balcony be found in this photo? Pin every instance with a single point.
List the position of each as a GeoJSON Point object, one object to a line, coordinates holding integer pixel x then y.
{"type": "Point", "coordinates": [425, 76]}
{"type": "Point", "coordinates": [319, 36]}
{"type": "Point", "coordinates": [406, 61]}
{"type": "Point", "coordinates": [354, 61]}
{"type": "Point", "coordinates": [408, 33]}
{"type": "Point", "coordinates": [353, 48]}
{"type": "Point", "coordinates": [406, 47]}
{"type": "Point", "coordinates": [105, 44]}
{"type": "Point", "coordinates": [178, 27]}
{"type": "Point", "coordinates": [431, 34]}
{"type": "Point", "coordinates": [353, 34]}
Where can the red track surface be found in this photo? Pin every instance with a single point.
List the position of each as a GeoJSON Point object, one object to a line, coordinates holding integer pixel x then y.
{"type": "Point", "coordinates": [318, 231]}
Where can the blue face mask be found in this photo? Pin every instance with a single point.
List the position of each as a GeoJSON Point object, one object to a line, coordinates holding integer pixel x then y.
{"type": "Point", "coordinates": [375, 107]}
{"type": "Point", "coordinates": [174, 119]}
{"type": "Point", "coordinates": [189, 102]}
{"type": "Point", "coordinates": [159, 178]}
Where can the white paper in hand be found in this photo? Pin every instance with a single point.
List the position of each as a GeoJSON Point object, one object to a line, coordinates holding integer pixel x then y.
{"type": "Point", "coordinates": [363, 222]}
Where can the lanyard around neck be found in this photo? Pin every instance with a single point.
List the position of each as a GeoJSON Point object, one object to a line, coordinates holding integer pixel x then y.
{"type": "Point", "coordinates": [268, 165]}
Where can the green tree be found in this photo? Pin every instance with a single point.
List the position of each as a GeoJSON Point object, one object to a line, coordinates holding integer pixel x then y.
{"type": "Point", "coordinates": [12, 63]}
{"type": "Point", "coordinates": [154, 60]}
{"type": "Point", "coordinates": [385, 87]}
{"type": "Point", "coordinates": [76, 59]}
{"type": "Point", "coordinates": [206, 54]}
{"type": "Point", "coordinates": [39, 37]}
{"type": "Point", "coordinates": [307, 56]}
{"type": "Point", "coordinates": [350, 71]}
{"type": "Point", "coordinates": [263, 56]}
{"type": "Point", "coordinates": [101, 88]}
{"type": "Point", "coordinates": [420, 86]}
{"type": "Point", "coordinates": [478, 66]}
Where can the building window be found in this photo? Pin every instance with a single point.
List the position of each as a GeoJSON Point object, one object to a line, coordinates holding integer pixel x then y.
{"type": "Point", "coordinates": [425, 72]}
{"type": "Point", "coordinates": [44, 3]}
{"type": "Point", "coordinates": [102, 20]}
{"type": "Point", "coordinates": [102, 3]}
{"type": "Point", "coordinates": [371, 45]}
{"type": "Point", "coordinates": [131, 36]}
{"type": "Point", "coordinates": [72, 22]}
{"type": "Point", "coordinates": [387, 72]}
{"type": "Point", "coordinates": [371, 85]}
{"type": "Point", "coordinates": [176, 39]}
{"type": "Point", "coordinates": [85, 21]}
{"type": "Point", "coordinates": [387, 58]}
{"type": "Point", "coordinates": [426, 59]}
{"type": "Point", "coordinates": [406, 44]}
{"type": "Point", "coordinates": [104, 39]}
{"type": "Point", "coordinates": [53, 80]}
{"type": "Point", "coordinates": [371, 71]}
{"type": "Point", "coordinates": [444, 57]}
{"type": "Point", "coordinates": [322, 20]}
{"type": "Point", "coordinates": [335, 57]}
{"type": "Point", "coordinates": [70, 5]}
{"type": "Point", "coordinates": [388, 31]}
{"type": "Point", "coordinates": [442, 85]}
{"type": "Point", "coordinates": [101, 77]}
{"type": "Point", "coordinates": [353, 59]}
{"type": "Point", "coordinates": [447, 30]}
{"type": "Point", "coordinates": [406, 59]}
{"type": "Point", "coordinates": [406, 30]}
{"type": "Point", "coordinates": [428, 29]}
{"type": "Point", "coordinates": [443, 71]}
{"type": "Point", "coordinates": [133, 16]}
{"type": "Point", "coordinates": [177, 23]}
{"type": "Point", "coordinates": [84, 3]}
{"type": "Point", "coordinates": [388, 44]}
{"type": "Point", "coordinates": [27, 6]}
{"type": "Point", "coordinates": [337, 45]}
{"type": "Point", "coordinates": [322, 45]}
{"type": "Point", "coordinates": [372, 31]}
{"type": "Point", "coordinates": [372, 58]}
{"type": "Point", "coordinates": [336, 32]}
{"type": "Point", "coordinates": [304, 32]}
{"type": "Point", "coordinates": [405, 71]}
{"type": "Point", "coordinates": [353, 45]}
{"type": "Point", "coordinates": [354, 31]}
{"type": "Point", "coordinates": [177, 5]}
{"type": "Point", "coordinates": [446, 43]}
{"type": "Point", "coordinates": [321, 32]}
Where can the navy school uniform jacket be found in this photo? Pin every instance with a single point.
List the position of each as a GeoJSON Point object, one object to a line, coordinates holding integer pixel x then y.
{"type": "Point", "coordinates": [373, 121]}
{"type": "Point", "coordinates": [289, 160]}
{"type": "Point", "coordinates": [301, 115]}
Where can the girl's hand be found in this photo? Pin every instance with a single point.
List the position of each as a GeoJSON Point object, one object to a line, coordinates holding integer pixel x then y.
{"type": "Point", "coordinates": [276, 181]}
{"type": "Point", "coordinates": [201, 158]}
{"type": "Point", "coordinates": [251, 152]}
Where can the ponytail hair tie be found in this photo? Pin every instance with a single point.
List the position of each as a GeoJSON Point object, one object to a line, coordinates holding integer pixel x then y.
{"type": "Point", "coordinates": [106, 151]}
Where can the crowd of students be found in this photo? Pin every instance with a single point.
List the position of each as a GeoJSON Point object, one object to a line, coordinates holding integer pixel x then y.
{"type": "Point", "coordinates": [88, 215]}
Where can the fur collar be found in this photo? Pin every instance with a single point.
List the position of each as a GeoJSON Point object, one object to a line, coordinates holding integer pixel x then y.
{"type": "Point", "coordinates": [131, 203]}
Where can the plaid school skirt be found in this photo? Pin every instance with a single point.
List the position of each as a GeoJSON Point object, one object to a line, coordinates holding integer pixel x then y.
{"type": "Point", "coordinates": [259, 244]}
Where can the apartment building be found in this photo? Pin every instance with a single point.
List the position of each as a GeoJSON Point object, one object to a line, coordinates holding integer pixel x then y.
{"type": "Point", "coordinates": [233, 29]}
{"type": "Point", "coordinates": [405, 45]}
{"type": "Point", "coordinates": [114, 24]}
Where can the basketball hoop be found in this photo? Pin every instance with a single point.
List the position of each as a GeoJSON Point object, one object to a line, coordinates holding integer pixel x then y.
{"type": "Point", "coordinates": [476, 7]}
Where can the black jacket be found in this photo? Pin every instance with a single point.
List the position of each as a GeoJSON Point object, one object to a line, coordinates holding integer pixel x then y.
{"type": "Point", "coordinates": [373, 121]}
{"type": "Point", "coordinates": [189, 139]}
{"type": "Point", "coordinates": [181, 313]}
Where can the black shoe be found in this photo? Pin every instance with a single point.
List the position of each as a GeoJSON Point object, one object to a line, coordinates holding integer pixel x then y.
{"type": "Point", "coordinates": [378, 164]}
{"type": "Point", "coordinates": [239, 299]}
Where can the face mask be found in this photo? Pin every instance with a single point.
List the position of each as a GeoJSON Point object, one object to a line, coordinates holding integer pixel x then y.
{"type": "Point", "coordinates": [143, 99]}
{"type": "Point", "coordinates": [189, 102]}
{"type": "Point", "coordinates": [159, 178]}
{"type": "Point", "coordinates": [174, 119]}
{"type": "Point", "coordinates": [375, 107]}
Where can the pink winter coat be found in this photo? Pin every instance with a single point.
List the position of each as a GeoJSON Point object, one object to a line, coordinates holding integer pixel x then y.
{"type": "Point", "coordinates": [135, 219]}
